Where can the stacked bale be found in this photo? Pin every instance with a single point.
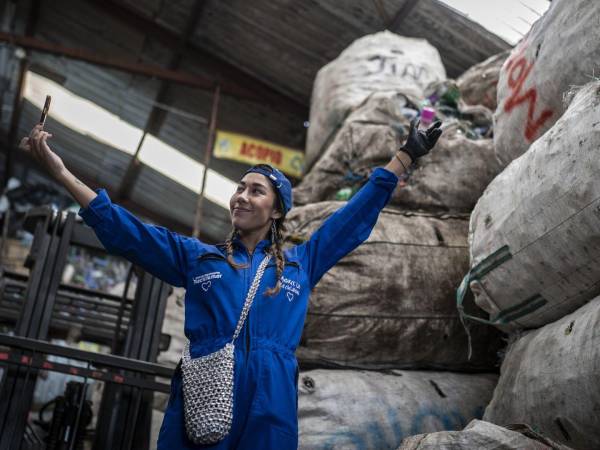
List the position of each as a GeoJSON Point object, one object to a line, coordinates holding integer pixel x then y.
{"type": "Point", "coordinates": [375, 63]}
{"type": "Point", "coordinates": [533, 236]}
{"type": "Point", "coordinates": [534, 245]}
{"type": "Point", "coordinates": [536, 225]}
{"type": "Point", "coordinates": [561, 50]}
{"type": "Point", "coordinates": [549, 380]}
{"type": "Point", "coordinates": [173, 326]}
{"type": "Point", "coordinates": [390, 303]}
{"type": "Point", "coordinates": [451, 178]}
{"type": "Point", "coordinates": [482, 435]}
{"type": "Point", "coordinates": [478, 85]}
{"type": "Point", "coordinates": [360, 409]}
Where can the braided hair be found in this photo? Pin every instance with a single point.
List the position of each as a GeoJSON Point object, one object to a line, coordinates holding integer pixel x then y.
{"type": "Point", "coordinates": [276, 250]}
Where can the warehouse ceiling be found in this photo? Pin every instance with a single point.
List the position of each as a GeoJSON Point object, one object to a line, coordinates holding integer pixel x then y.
{"type": "Point", "coordinates": [154, 64]}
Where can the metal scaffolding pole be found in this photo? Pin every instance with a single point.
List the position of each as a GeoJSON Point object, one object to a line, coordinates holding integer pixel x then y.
{"type": "Point", "coordinates": [207, 154]}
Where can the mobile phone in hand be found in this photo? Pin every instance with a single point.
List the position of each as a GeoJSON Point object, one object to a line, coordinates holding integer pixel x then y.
{"type": "Point", "coordinates": [45, 110]}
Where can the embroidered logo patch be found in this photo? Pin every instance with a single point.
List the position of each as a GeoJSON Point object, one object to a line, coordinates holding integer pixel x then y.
{"type": "Point", "coordinates": [204, 280]}
{"type": "Point", "coordinates": [291, 287]}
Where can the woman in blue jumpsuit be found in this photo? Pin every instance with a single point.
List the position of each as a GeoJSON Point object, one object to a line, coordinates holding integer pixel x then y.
{"type": "Point", "coordinates": [217, 278]}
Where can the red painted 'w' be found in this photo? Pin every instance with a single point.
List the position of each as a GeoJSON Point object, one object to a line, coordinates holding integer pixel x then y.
{"type": "Point", "coordinates": [518, 71]}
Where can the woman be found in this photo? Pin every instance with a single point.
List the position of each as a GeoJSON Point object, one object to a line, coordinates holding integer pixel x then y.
{"type": "Point", "coordinates": [217, 278]}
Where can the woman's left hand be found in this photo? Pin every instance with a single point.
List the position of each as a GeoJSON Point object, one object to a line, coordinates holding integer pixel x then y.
{"type": "Point", "coordinates": [420, 142]}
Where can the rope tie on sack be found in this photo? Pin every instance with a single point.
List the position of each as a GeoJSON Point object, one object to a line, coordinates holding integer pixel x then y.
{"type": "Point", "coordinates": [505, 316]}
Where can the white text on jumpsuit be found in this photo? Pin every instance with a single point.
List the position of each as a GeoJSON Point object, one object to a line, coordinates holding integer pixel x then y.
{"type": "Point", "coordinates": [205, 280]}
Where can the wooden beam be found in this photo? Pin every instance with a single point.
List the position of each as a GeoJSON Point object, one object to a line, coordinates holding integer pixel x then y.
{"type": "Point", "coordinates": [402, 14]}
{"type": "Point", "coordinates": [212, 128]}
{"type": "Point", "coordinates": [381, 11]}
{"type": "Point", "coordinates": [193, 80]}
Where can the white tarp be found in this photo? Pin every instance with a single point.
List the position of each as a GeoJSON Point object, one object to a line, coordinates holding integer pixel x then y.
{"type": "Point", "coordinates": [382, 61]}
{"type": "Point", "coordinates": [534, 232]}
{"type": "Point", "coordinates": [549, 380]}
{"type": "Point", "coordinates": [481, 435]}
{"type": "Point", "coordinates": [346, 409]}
{"type": "Point", "coordinates": [560, 51]}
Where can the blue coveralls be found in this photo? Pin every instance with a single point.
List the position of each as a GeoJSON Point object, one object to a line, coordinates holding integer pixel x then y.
{"type": "Point", "coordinates": [266, 370]}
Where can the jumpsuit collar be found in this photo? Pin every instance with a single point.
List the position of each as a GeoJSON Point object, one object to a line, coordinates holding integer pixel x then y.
{"type": "Point", "coordinates": [265, 243]}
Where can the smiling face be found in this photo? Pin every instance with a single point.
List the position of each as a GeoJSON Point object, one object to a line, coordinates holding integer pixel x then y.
{"type": "Point", "coordinates": [252, 206]}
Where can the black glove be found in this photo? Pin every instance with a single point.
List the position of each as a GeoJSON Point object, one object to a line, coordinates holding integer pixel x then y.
{"type": "Point", "coordinates": [420, 142]}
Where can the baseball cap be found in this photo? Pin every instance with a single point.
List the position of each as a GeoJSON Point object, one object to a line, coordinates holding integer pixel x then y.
{"type": "Point", "coordinates": [282, 185]}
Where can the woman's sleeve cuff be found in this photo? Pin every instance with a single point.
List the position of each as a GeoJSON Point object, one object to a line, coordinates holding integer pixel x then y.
{"type": "Point", "coordinates": [385, 178]}
{"type": "Point", "coordinates": [97, 209]}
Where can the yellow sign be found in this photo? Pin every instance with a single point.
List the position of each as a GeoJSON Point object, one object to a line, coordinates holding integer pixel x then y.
{"type": "Point", "coordinates": [254, 151]}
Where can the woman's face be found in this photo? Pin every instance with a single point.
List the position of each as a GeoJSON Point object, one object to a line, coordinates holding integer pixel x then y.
{"type": "Point", "coordinates": [252, 206]}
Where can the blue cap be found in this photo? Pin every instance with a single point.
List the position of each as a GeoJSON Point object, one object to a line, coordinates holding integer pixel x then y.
{"type": "Point", "coordinates": [282, 185]}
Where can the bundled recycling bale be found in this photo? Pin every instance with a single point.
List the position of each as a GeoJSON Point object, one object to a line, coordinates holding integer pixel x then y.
{"type": "Point", "coordinates": [451, 178]}
{"type": "Point", "coordinates": [173, 326]}
{"type": "Point", "coordinates": [560, 50]}
{"type": "Point", "coordinates": [482, 435]}
{"type": "Point", "coordinates": [379, 62]}
{"type": "Point", "coordinates": [358, 409]}
{"type": "Point", "coordinates": [478, 84]}
{"type": "Point", "coordinates": [389, 303]}
{"type": "Point", "coordinates": [368, 138]}
{"type": "Point", "coordinates": [549, 380]}
{"type": "Point", "coordinates": [534, 232]}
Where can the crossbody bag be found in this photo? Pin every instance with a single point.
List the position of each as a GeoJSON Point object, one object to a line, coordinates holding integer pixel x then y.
{"type": "Point", "coordinates": [208, 382]}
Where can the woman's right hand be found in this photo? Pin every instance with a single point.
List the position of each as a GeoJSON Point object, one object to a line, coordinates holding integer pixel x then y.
{"type": "Point", "coordinates": [35, 144]}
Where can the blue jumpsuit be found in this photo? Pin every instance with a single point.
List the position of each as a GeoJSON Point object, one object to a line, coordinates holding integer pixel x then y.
{"type": "Point", "coordinates": [266, 370]}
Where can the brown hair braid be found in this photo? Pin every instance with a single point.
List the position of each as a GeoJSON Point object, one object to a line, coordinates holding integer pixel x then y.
{"type": "Point", "coordinates": [277, 251]}
{"type": "Point", "coordinates": [229, 251]}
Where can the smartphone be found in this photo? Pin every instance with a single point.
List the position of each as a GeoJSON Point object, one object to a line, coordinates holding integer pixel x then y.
{"type": "Point", "coordinates": [45, 110]}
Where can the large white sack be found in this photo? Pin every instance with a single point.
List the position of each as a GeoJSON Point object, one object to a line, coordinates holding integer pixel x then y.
{"type": "Point", "coordinates": [378, 62]}
{"type": "Point", "coordinates": [481, 435]}
{"type": "Point", "coordinates": [450, 178]}
{"type": "Point", "coordinates": [534, 233]}
{"type": "Point", "coordinates": [368, 138]}
{"type": "Point", "coordinates": [390, 302]}
{"type": "Point", "coordinates": [561, 50]}
{"type": "Point", "coordinates": [550, 380]}
{"type": "Point", "coordinates": [346, 409]}
{"type": "Point", "coordinates": [173, 326]}
{"type": "Point", "coordinates": [478, 85]}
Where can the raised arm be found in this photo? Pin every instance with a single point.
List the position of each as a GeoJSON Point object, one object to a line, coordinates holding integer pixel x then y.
{"type": "Point", "coordinates": [352, 224]}
{"type": "Point", "coordinates": [157, 250]}
{"type": "Point", "coordinates": [348, 227]}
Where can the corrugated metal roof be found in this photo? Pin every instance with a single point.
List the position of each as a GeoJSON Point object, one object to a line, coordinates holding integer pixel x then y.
{"type": "Point", "coordinates": [285, 43]}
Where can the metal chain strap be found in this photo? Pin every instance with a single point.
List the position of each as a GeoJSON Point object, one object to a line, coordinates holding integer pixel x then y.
{"type": "Point", "coordinates": [250, 296]}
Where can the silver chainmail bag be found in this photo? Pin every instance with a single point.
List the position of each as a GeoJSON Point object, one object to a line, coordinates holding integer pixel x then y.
{"type": "Point", "coordinates": [208, 383]}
